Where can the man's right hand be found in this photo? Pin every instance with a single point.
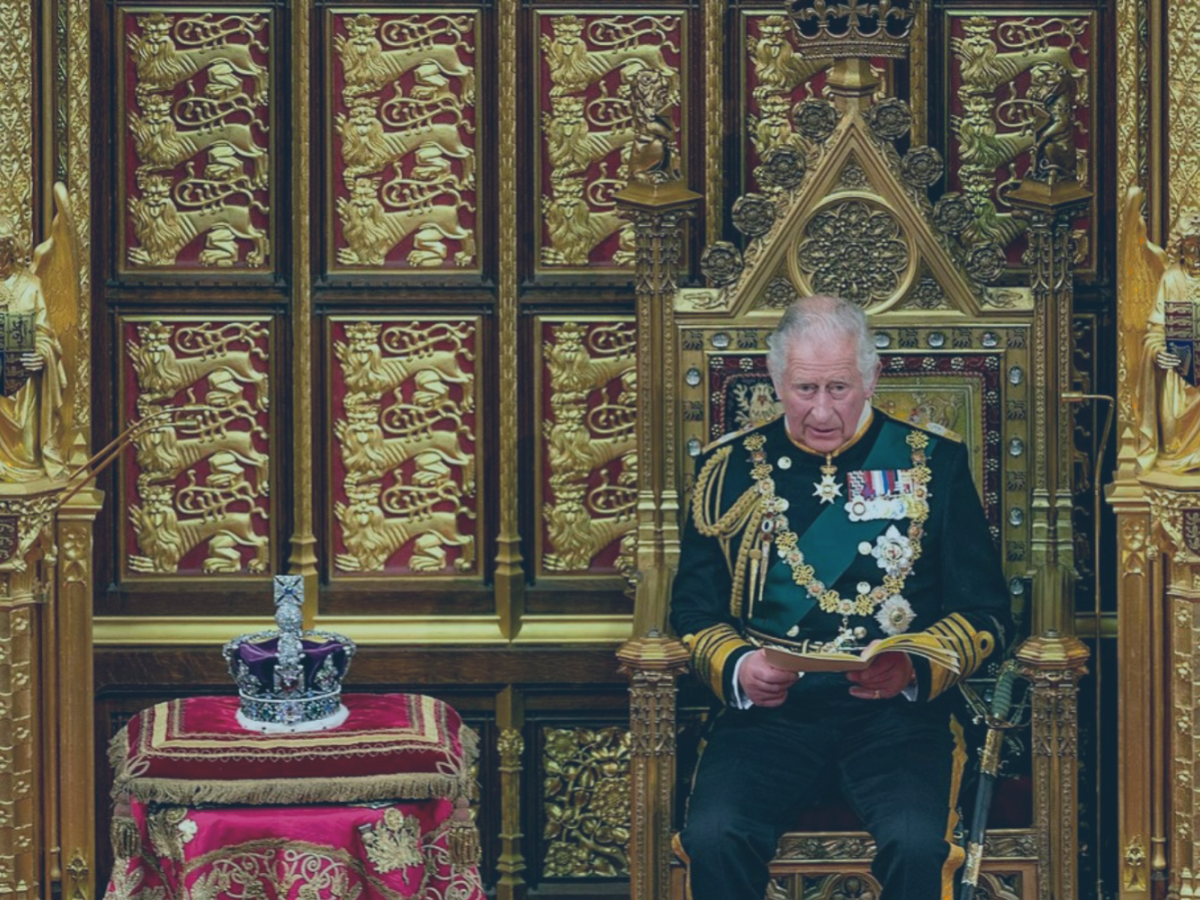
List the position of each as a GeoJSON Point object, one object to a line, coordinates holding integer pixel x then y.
{"type": "Point", "coordinates": [764, 684]}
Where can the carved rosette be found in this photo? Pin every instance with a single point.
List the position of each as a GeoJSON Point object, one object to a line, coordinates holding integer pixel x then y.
{"type": "Point", "coordinates": [197, 490]}
{"type": "Point", "coordinates": [585, 802]}
{"type": "Point", "coordinates": [1016, 83]}
{"type": "Point", "coordinates": [585, 69]}
{"type": "Point", "coordinates": [196, 147]}
{"type": "Point", "coordinates": [857, 250]}
{"type": "Point", "coordinates": [588, 446]}
{"type": "Point", "coordinates": [405, 426]}
{"type": "Point", "coordinates": [404, 177]}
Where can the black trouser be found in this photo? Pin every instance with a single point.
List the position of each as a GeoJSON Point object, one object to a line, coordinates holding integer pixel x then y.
{"type": "Point", "coordinates": [899, 765]}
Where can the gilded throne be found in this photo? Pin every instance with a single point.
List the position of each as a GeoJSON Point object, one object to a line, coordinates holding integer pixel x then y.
{"type": "Point", "coordinates": [842, 211]}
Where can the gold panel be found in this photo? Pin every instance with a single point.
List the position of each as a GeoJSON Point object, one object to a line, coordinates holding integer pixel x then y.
{"type": "Point", "coordinates": [198, 491]}
{"type": "Point", "coordinates": [404, 176]}
{"type": "Point", "coordinates": [405, 416]}
{"type": "Point", "coordinates": [1183, 74]}
{"type": "Point", "coordinates": [16, 100]}
{"type": "Point", "coordinates": [587, 454]}
{"type": "Point", "coordinates": [1015, 81]}
{"type": "Point", "coordinates": [196, 145]}
{"type": "Point", "coordinates": [583, 71]}
{"type": "Point", "coordinates": [585, 801]}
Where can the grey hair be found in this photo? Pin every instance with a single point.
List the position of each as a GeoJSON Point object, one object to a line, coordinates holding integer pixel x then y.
{"type": "Point", "coordinates": [822, 317]}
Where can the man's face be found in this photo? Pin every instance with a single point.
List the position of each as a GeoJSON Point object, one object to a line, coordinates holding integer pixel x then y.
{"type": "Point", "coordinates": [822, 391]}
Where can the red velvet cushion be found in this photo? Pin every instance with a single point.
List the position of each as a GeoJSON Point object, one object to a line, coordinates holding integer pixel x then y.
{"type": "Point", "coordinates": [392, 746]}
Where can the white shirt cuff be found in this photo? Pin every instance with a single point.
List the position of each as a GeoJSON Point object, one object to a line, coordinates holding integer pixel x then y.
{"type": "Point", "coordinates": [740, 702]}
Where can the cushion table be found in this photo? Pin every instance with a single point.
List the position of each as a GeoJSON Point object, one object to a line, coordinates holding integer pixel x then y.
{"type": "Point", "coordinates": [377, 807]}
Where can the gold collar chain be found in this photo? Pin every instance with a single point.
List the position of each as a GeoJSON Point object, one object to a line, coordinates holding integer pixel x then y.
{"type": "Point", "coordinates": [775, 530]}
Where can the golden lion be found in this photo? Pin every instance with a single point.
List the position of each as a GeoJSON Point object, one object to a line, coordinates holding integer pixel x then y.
{"type": "Point", "coordinates": [161, 374]}
{"type": "Point", "coordinates": [985, 68]}
{"type": "Point", "coordinates": [164, 539]}
{"type": "Point", "coordinates": [367, 148]}
{"type": "Point", "coordinates": [574, 67]}
{"type": "Point", "coordinates": [368, 375]}
{"type": "Point", "coordinates": [777, 68]}
{"type": "Point", "coordinates": [976, 132]}
{"type": "Point", "coordinates": [576, 536]}
{"type": "Point", "coordinates": [162, 230]}
{"type": "Point", "coordinates": [573, 370]}
{"type": "Point", "coordinates": [372, 233]}
{"type": "Point", "coordinates": [575, 228]}
{"type": "Point", "coordinates": [367, 67]}
{"type": "Point", "coordinates": [161, 145]}
{"type": "Point", "coordinates": [570, 145]}
{"type": "Point", "coordinates": [161, 65]}
{"type": "Point", "coordinates": [372, 539]}
{"type": "Point", "coordinates": [161, 453]}
{"type": "Point", "coordinates": [367, 454]}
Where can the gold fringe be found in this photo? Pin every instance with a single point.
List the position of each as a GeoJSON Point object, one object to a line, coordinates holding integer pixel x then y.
{"type": "Point", "coordinates": [126, 840]}
{"type": "Point", "coordinates": [463, 839]}
{"type": "Point", "coordinates": [289, 791]}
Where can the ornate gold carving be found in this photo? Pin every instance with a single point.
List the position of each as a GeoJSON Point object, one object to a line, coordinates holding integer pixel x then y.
{"type": "Point", "coordinates": [79, 141]}
{"type": "Point", "coordinates": [78, 880]}
{"type": "Point", "coordinates": [393, 842]}
{"type": "Point", "coordinates": [408, 101]}
{"type": "Point", "coordinates": [778, 68]}
{"type": "Point", "coordinates": [590, 446]}
{"type": "Point", "coordinates": [714, 106]}
{"type": "Point", "coordinates": [407, 443]}
{"type": "Point", "coordinates": [1183, 70]}
{"type": "Point", "coordinates": [203, 480]}
{"type": "Point", "coordinates": [857, 28]}
{"type": "Point", "coordinates": [996, 135]}
{"type": "Point", "coordinates": [16, 99]}
{"type": "Point", "coordinates": [868, 233]}
{"type": "Point", "coordinates": [852, 886]}
{"type": "Point", "coordinates": [1134, 876]}
{"type": "Point", "coordinates": [586, 801]}
{"type": "Point", "coordinates": [589, 133]}
{"type": "Point", "coordinates": [199, 139]}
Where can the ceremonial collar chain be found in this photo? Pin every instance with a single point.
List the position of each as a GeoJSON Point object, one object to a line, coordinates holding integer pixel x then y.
{"type": "Point", "coordinates": [894, 557]}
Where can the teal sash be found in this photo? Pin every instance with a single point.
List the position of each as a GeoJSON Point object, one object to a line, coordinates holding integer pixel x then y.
{"type": "Point", "coordinates": [830, 543]}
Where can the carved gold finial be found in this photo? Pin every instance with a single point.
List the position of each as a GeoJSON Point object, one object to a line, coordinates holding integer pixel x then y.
{"type": "Point", "coordinates": [655, 157]}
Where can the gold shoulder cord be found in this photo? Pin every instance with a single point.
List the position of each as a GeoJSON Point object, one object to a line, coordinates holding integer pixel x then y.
{"type": "Point", "coordinates": [744, 516]}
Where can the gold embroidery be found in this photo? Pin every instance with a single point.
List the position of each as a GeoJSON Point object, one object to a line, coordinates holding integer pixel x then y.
{"type": "Point", "coordinates": [393, 842]}
{"type": "Point", "coordinates": [170, 829]}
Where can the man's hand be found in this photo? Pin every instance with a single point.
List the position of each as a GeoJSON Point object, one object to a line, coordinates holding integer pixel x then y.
{"type": "Point", "coordinates": [886, 676]}
{"type": "Point", "coordinates": [32, 361]}
{"type": "Point", "coordinates": [1166, 360]}
{"type": "Point", "coordinates": [764, 684]}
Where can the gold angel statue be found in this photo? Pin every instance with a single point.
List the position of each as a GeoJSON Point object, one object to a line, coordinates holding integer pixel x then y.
{"type": "Point", "coordinates": [39, 318]}
{"type": "Point", "coordinates": [1160, 325]}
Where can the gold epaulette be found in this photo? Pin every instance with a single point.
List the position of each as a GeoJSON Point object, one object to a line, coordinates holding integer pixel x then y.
{"type": "Point", "coordinates": [707, 514]}
{"type": "Point", "coordinates": [734, 435]}
{"type": "Point", "coordinates": [935, 429]}
{"type": "Point", "coordinates": [972, 647]}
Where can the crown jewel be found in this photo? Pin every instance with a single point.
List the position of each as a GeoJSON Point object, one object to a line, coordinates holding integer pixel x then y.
{"type": "Point", "coordinates": [289, 679]}
{"type": "Point", "coordinates": [853, 28]}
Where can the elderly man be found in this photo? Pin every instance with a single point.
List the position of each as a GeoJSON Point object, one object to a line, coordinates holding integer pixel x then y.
{"type": "Point", "coordinates": [831, 527]}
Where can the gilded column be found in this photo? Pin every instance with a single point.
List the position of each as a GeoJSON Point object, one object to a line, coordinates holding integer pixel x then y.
{"type": "Point", "coordinates": [658, 202]}
{"type": "Point", "coordinates": [75, 732]}
{"type": "Point", "coordinates": [714, 106]}
{"type": "Point", "coordinates": [510, 574]}
{"type": "Point", "coordinates": [303, 559]}
{"type": "Point", "coordinates": [511, 862]}
{"type": "Point", "coordinates": [1054, 660]}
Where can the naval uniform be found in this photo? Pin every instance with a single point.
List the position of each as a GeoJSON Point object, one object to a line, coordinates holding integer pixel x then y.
{"type": "Point", "coordinates": [788, 547]}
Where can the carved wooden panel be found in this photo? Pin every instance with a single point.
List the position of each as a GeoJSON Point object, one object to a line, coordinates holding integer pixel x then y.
{"type": "Point", "coordinates": [587, 448]}
{"type": "Point", "coordinates": [197, 490]}
{"type": "Point", "coordinates": [1016, 81]}
{"type": "Point", "coordinates": [404, 178]}
{"type": "Point", "coordinates": [195, 138]}
{"type": "Point", "coordinates": [405, 444]}
{"type": "Point", "coordinates": [585, 802]}
{"type": "Point", "coordinates": [583, 69]}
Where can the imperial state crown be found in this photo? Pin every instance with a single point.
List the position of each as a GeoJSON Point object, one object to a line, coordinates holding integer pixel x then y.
{"type": "Point", "coordinates": [289, 679]}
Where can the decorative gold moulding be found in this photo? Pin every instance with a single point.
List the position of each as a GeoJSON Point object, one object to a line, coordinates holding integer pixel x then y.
{"type": "Point", "coordinates": [653, 651]}
{"type": "Point", "coordinates": [367, 630]}
{"type": "Point", "coordinates": [1056, 195]}
{"type": "Point", "coordinates": [657, 197]}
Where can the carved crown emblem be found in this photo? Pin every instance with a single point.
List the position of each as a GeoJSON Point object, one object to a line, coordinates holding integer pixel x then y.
{"type": "Point", "coordinates": [363, 332]}
{"type": "Point", "coordinates": [854, 28]}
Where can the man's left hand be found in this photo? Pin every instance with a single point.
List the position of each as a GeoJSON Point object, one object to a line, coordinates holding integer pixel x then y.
{"type": "Point", "coordinates": [886, 676]}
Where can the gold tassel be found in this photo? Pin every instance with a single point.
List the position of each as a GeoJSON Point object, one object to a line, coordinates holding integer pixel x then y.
{"type": "Point", "coordinates": [463, 838]}
{"type": "Point", "coordinates": [126, 840]}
